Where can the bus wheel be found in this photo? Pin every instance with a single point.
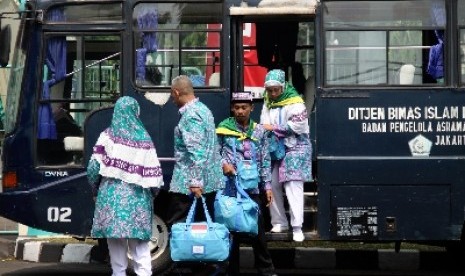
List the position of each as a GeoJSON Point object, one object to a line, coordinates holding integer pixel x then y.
{"type": "Point", "coordinates": [159, 248]}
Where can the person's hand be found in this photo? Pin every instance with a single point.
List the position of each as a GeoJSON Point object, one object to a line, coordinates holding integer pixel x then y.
{"type": "Point", "coordinates": [269, 198]}
{"type": "Point", "coordinates": [228, 169]}
{"type": "Point", "coordinates": [196, 191]}
{"type": "Point", "coordinates": [268, 127]}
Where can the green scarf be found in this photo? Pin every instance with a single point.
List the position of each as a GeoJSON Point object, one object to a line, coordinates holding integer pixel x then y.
{"type": "Point", "coordinates": [289, 96]}
{"type": "Point", "coordinates": [229, 127]}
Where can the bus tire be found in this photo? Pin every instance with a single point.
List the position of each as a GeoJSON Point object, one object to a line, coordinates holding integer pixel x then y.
{"type": "Point", "coordinates": [159, 248]}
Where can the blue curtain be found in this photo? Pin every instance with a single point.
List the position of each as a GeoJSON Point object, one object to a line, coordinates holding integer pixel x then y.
{"type": "Point", "coordinates": [149, 21]}
{"type": "Point", "coordinates": [56, 65]}
{"type": "Point", "coordinates": [436, 53]}
{"type": "Point", "coordinates": [436, 57]}
{"type": "Point", "coordinates": [146, 20]}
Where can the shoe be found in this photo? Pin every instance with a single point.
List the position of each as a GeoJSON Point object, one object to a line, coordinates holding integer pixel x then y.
{"type": "Point", "coordinates": [298, 236]}
{"type": "Point", "coordinates": [278, 228]}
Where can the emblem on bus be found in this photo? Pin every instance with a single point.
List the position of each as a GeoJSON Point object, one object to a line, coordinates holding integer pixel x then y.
{"type": "Point", "coordinates": [420, 146]}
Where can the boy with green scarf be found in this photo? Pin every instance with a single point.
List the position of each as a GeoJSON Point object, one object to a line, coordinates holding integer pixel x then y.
{"type": "Point", "coordinates": [241, 139]}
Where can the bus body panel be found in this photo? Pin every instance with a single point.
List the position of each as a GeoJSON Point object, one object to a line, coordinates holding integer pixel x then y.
{"type": "Point", "coordinates": [391, 157]}
{"type": "Point", "coordinates": [422, 199]}
{"type": "Point", "coordinates": [61, 206]}
{"type": "Point", "coordinates": [382, 123]}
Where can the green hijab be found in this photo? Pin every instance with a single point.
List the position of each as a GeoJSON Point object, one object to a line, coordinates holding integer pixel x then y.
{"type": "Point", "coordinates": [276, 77]}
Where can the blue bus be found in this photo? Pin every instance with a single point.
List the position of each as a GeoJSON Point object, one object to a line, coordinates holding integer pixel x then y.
{"type": "Point", "coordinates": [382, 81]}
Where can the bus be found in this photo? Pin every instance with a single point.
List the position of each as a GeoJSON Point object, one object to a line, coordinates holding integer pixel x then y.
{"type": "Point", "coordinates": [383, 83]}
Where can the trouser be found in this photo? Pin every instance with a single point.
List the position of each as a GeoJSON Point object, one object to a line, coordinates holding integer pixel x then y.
{"type": "Point", "coordinates": [140, 252]}
{"type": "Point", "coordinates": [179, 206]}
{"type": "Point", "coordinates": [263, 261]}
{"type": "Point", "coordinates": [295, 197]}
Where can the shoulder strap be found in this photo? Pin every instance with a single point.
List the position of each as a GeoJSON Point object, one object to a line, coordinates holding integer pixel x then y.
{"type": "Point", "coordinates": [240, 190]}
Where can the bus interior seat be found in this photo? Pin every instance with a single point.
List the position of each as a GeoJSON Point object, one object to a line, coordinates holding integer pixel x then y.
{"type": "Point", "coordinates": [406, 74]}
{"type": "Point", "coordinates": [74, 143]}
{"type": "Point", "coordinates": [214, 79]}
{"type": "Point", "coordinates": [158, 98]}
{"type": "Point", "coordinates": [75, 146]}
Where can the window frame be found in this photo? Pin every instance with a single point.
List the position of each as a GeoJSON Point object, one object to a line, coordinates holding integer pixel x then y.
{"type": "Point", "coordinates": [217, 56]}
{"type": "Point", "coordinates": [82, 100]}
{"type": "Point", "coordinates": [387, 29]}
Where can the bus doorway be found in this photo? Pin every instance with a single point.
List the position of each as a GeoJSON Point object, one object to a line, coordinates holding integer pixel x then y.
{"type": "Point", "coordinates": [272, 40]}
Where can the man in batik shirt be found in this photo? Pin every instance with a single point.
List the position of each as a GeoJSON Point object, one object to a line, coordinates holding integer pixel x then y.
{"type": "Point", "coordinates": [197, 169]}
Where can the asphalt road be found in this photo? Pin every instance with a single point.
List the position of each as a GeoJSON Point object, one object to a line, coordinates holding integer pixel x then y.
{"type": "Point", "coordinates": [14, 267]}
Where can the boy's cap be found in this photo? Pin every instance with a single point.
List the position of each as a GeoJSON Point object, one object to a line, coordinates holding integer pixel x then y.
{"type": "Point", "coordinates": [241, 96]}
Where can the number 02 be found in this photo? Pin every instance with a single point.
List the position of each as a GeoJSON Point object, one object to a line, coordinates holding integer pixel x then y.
{"type": "Point", "coordinates": [55, 214]}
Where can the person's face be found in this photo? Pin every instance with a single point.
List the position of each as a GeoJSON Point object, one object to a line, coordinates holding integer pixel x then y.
{"type": "Point", "coordinates": [241, 111]}
{"type": "Point", "coordinates": [175, 96]}
{"type": "Point", "coordinates": [274, 91]}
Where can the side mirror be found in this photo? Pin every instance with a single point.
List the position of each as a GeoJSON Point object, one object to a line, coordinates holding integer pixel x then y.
{"type": "Point", "coordinates": [5, 42]}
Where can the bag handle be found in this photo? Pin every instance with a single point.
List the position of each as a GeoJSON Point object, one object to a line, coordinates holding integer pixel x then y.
{"type": "Point", "coordinates": [191, 214]}
{"type": "Point", "coordinates": [240, 190]}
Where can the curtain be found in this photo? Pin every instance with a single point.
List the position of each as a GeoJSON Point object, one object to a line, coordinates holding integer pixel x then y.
{"type": "Point", "coordinates": [436, 57]}
{"type": "Point", "coordinates": [56, 65]}
{"type": "Point", "coordinates": [147, 19]}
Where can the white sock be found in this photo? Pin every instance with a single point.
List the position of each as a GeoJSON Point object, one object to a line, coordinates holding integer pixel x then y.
{"type": "Point", "coordinates": [296, 229]}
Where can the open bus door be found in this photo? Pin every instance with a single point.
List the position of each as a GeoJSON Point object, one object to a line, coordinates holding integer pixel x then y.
{"type": "Point", "coordinates": [272, 35]}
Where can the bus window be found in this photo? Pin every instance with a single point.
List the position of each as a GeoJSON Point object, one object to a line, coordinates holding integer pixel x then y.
{"type": "Point", "coordinates": [392, 43]}
{"type": "Point", "coordinates": [95, 13]}
{"type": "Point", "coordinates": [176, 38]}
{"type": "Point", "coordinates": [294, 54]}
{"type": "Point", "coordinates": [80, 79]}
{"type": "Point", "coordinates": [461, 25]}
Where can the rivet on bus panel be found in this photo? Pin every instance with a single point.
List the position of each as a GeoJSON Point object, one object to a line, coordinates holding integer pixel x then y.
{"type": "Point", "coordinates": [9, 180]}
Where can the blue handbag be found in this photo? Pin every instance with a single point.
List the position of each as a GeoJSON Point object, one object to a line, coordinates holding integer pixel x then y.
{"type": "Point", "coordinates": [247, 170]}
{"type": "Point", "coordinates": [199, 241]}
{"type": "Point", "coordinates": [238, 211]}
{"type": "Point", "coordinates": [276, 148]}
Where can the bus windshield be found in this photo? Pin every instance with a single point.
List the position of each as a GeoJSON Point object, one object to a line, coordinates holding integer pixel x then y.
{"type": "Point", "coordinates": [16, 76]}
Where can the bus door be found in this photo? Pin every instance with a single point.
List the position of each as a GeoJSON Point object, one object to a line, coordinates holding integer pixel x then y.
{"type": "Point", "coordinates": [270, 36]}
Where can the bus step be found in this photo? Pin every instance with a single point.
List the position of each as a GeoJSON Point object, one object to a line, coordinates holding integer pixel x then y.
{"type": "Point", "coordinates": [287, 236]}
{"type": "Point", "coordinates": [310, 202]}
{"type": "Point", "coordinates": [310, 221]}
